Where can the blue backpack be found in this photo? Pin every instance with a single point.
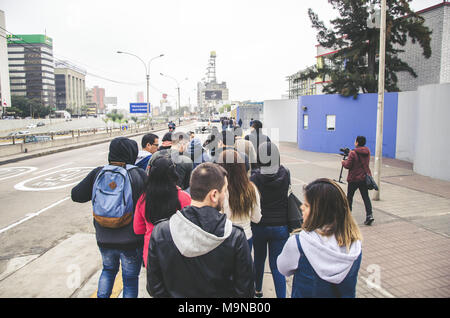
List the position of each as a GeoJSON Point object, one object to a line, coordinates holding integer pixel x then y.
{"type": "Point", "coordinates": [112, 197]}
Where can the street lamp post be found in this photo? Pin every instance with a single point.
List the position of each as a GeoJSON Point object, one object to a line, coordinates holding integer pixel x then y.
{"type": "Point", "coordinates": [380, 107]}
{"type": "Point", "coordinates": [178, 89]}
{"type": "Point", "coordinates": [147, 76]}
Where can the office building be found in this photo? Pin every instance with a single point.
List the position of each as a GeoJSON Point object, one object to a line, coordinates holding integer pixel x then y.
{"type": "Point", "coordinates": [31, 67]}
{"type": "Point", "coordinates": [70, 87]}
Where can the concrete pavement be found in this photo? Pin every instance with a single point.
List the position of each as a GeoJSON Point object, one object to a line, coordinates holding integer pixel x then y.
{"type": "Point", "coordinates": [405, 251]}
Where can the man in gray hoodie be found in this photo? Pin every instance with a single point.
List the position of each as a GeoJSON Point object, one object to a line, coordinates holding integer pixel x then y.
{"type": "Point", "coordinates": [198, 252]}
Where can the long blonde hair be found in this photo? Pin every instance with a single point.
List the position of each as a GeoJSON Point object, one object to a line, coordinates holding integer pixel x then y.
{"type": "Point", "coordinates": [330, 212]}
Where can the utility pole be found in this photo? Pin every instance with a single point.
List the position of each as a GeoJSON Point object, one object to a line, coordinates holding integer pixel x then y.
{"type": "Point", "coordinates": [380, 107]}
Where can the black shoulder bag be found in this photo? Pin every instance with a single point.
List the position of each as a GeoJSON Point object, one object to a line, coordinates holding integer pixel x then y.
{"type": "Point", "coordinates": [370, 182]}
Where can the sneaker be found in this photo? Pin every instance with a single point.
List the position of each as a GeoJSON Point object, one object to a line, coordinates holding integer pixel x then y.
{"type": "Point", "coordinates": [258, 294]}
{"type": "Point", "coordinates": [369, 220]}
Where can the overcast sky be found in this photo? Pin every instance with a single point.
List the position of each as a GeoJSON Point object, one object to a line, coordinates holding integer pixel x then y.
{"type": "Point", "coordinates": [258, 42]}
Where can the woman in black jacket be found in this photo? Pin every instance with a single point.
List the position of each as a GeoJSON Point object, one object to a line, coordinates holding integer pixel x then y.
{"type": "Point", "coordinates": [272, 181]}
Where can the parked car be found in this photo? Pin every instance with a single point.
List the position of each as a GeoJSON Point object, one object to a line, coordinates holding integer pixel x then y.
{"type": "Point", "coordinates": [31, 126]}
{"type": "Point", "coordinates": [41, 123]}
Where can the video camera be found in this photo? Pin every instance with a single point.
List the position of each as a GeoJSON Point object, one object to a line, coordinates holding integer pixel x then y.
{"type": "Point", "coordinates": [344, 151]}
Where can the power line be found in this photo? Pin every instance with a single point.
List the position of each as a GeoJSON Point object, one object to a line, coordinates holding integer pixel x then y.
{"type": "Point", "coordinates": [65, 62]}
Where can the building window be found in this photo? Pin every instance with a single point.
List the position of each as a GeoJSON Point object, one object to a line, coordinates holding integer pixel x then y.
{"type": "Point", "coordinates": [305, 121]}
{"type": "Point", "coordinates": [331, 122]}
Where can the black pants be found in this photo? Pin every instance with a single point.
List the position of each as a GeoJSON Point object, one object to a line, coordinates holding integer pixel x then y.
{"type": "Point", "coordinates": [352, 187]}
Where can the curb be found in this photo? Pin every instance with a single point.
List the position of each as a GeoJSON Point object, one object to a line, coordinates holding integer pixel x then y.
{"type": "Point", "coordinates": [71, 147]}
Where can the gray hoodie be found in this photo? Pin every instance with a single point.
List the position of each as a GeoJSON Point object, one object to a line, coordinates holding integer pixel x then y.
{"type": "Point", "coordinates": [191, 240]}
{"type": "Point", "coordinates": [330, 261]}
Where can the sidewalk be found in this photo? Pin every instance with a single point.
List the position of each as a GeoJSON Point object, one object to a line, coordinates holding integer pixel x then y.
{"type": "Point", "coordinates": [406, 252]}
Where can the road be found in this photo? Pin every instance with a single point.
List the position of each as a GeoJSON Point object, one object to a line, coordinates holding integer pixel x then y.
{"type": "Point", "coordinates": [36, 210]}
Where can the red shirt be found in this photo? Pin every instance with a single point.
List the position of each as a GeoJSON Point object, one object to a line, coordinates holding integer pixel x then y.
{"type": "Point", "coordinates": [358, 164]}
{"type": "Point", "coordinates": [140, 224]}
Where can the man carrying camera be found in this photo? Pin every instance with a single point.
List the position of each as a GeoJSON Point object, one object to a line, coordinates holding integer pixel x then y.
{"type": "Point", "coordinates": [358, 166]}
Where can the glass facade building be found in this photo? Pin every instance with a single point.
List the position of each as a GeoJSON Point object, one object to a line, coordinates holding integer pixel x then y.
{"type": "Point", "coordinates": [31, 67]}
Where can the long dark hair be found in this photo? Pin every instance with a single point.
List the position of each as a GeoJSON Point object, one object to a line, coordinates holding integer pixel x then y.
{"type": "Point", "coordinates": [242, 193]}
{"type": "Point", "coordinates": [161, 193]}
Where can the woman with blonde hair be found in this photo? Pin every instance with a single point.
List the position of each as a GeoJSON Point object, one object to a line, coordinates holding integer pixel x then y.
{"type": "Point", "coordinates": [242, 204]}
{"type": "Point", "coordinates": [325, 256]}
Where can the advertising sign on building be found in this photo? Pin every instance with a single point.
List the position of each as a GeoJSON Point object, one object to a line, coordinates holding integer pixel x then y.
{"type": "Point", "coordinates": [213, 95]}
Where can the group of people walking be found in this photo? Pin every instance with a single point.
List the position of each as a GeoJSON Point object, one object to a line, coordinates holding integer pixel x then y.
{"type": "Point", "coordinates": [193, 214]}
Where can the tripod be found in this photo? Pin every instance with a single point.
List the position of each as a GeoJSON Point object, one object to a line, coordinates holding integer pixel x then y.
{"type": "Point", "coordinates": [342, 168]}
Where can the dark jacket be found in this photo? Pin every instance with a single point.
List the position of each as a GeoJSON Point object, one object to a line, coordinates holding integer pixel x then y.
{"type": "Point", "coordinates": [358, 164]}
{"type": "Point", "coordinates": [273, 189]}
{"type": "Point", "coordinates": [199, 253]}
{"type": "Point", "coordinates": [183, 165]}
{"type": "Point", "coordinates": [257, 138]}
{"type": "Point", "coordinates": [120, 150]}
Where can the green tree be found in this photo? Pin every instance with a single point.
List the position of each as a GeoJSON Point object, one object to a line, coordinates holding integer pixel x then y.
{"type": "Point", "coordinates": [354, 67]}
{"type": "Point", "coordinates": [27, 107]}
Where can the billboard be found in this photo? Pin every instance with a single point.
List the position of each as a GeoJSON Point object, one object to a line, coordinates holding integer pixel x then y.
{"type": "Point", "coordinates": [213, 95]}
{"type": "Point", "coordinates": [139, 108]}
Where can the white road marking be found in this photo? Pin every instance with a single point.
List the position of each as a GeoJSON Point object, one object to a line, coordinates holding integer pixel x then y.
{"type": "Point", "coordinates": [51, 182]}
{"type": "Point", "coordinates": [64, 164]}
{"type": "Point", "coordinates": [32, 215]}
{"type": "Point", "coordinates": [30, 169]}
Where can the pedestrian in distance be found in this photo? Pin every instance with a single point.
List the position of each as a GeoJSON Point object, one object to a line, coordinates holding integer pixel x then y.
{"type": "Point", "coordinates": [256, 137]}
{"type": "Point", "coordinates": [227, 141]}
{"type": "Point", "coordinates": [325, 256]}
{"type": "Point", "coordinates": [114, 190]}
{"type": "Point", "coordinates": [272, 181]}
{"type": "Point", "coordinates": [197, 152]}
{"type": "Point", "coordinates": [242, 202]}
{"type": "Point", "coordinates": [357, 164]}
{"type": "Point", "coordinates": [149, 147]}
{"type": "Point", "coordinates": [240, 122]}
{"type": "Point", "coordinates": [245, 146]}
{"type": "Point", "coordinates": [161, 199]}
{"type": "Point", "coordinates": [198, 252]}
{"type": "Point", "coordinates": [176, 152]}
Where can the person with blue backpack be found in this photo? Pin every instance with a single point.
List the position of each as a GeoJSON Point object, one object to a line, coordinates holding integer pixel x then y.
{"type": "Point", "coordinates": [325, 256]}
{"type": "Point", "coordinates": [149, 147]}
{"type": "Point", "coordinates": [114, 190]}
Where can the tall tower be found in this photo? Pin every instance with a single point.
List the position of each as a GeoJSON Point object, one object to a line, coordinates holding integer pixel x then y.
{"type": "Point", "coordinates": [211, 69]}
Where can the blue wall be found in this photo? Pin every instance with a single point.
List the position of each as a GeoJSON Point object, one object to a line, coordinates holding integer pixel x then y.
{"type": "Point", "coordinates": [353, 117]}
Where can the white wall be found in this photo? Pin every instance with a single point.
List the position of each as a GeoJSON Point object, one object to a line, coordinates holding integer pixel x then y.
{"type": "Point", "coordinates": [281, 114]}
{"type": "Point", "coordinates": [406, 125]}
{"type": "Point", "coordinates": [432, 150]}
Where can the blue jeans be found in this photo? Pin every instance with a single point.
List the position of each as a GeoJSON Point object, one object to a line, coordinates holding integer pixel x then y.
{"type": "Point", "coordinates": [131, 266]}
{"type": "Point", "coordinates": [275, 237]}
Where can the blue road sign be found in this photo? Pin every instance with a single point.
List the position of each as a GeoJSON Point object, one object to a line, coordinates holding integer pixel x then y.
{"type": "Point", "coordinates": [140, 108]}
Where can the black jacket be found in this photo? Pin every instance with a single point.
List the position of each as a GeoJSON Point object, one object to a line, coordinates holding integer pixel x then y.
{"type": "Point", "coordinates": [121, 150]}
{"type": "Point", "coordinates": [199, 253]}
{"type": "Point", "coordinates": [257, 138]}
{"type": "Point", "coordinates": [273, 189]}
